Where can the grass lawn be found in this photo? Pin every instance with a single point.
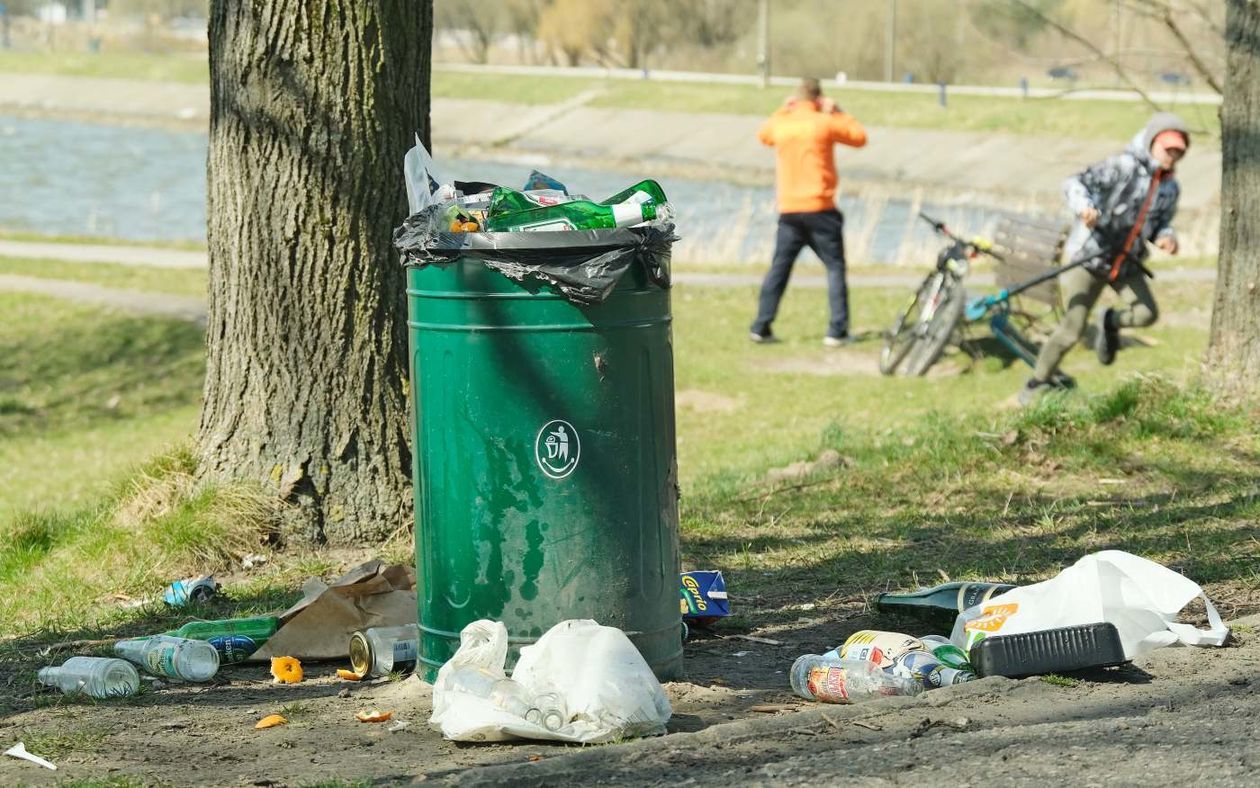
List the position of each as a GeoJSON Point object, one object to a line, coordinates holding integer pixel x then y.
{"type": "Point", "coordinates": [936, 477]}
{"type": "Point", "coordinates": [170, 67]}
{"type": "Point", "coordinates": [177, 281]}
{"type": "Point", "coordinates": [1044, 117]}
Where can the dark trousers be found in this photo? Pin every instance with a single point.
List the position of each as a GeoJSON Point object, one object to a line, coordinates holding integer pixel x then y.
{"type": "Point", "coordinates": [823, 231]}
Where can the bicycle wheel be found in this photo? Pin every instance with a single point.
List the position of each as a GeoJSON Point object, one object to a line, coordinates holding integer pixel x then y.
{"type": "Point", "coordinates": [939, 330]}
{"type": "Point", "coordinates": [901, 338]}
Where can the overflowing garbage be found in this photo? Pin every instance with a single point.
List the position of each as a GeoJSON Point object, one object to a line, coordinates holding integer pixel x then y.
{"type": "Point", "coordinates": [542, 231]}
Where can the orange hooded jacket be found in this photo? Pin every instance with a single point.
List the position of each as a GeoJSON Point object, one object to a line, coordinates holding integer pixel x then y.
{"type": "Point", "coordinates": [803, 137]}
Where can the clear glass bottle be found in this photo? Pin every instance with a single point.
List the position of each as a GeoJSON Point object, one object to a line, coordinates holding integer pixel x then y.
{"type": "Point", "coordinates": [832, 680]}
{"type": "Point", "coordinates": [174, 658]}
{"type": "Point", "coordinates": [97, 677]}
{"type": "Point", "coordinates": [379, 651]}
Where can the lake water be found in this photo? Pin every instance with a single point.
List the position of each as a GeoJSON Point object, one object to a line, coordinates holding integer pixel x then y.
{"type": "Point", "coordinates": [145, 184]}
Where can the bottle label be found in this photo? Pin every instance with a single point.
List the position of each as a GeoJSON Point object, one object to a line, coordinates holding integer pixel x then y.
{"type": "Point", "coordinates": [887, 646]}
{"type": "Point", "coordinates": [828, 684]}
{"type": "Point", "coordinates": [405, 651]}
{"type": "Point", "coordinates": [627, 213]}
{"type": "Point", "coordinates": [233, 648]}
{"type": "Point", "coordinates": [161, 661]}
{"type": "Point", "coordinates": [550, 225]}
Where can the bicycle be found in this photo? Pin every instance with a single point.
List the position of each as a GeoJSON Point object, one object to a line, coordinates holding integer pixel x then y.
{"type": "Point", "coordinates": [924, 328]}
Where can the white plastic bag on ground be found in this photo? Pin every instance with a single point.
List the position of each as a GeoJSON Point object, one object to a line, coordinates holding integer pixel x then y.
{"type": "Point", "coordinates": [1140, 597]}
{"type": "Point", "coordinates": [608, 690]}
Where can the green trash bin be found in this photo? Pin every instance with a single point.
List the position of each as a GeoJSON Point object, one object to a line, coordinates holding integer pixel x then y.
{"type": "Point", "coordinates": [545, 469]}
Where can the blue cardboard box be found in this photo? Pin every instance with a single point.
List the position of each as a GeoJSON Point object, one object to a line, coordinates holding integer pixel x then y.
{"type": "Point", "coordinates": [702, 595]}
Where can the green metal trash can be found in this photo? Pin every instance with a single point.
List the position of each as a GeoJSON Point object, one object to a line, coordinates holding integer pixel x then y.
{"type": "Point", "coordinates": [545, 469]}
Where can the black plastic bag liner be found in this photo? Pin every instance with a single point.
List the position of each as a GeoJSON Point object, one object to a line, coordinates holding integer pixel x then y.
{"type": "Point", "coordinates": [584, 265]}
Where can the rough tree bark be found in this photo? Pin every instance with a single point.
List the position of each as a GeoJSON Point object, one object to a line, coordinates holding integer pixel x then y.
{"type": "Point", "coordinates": [313, 105]}
{"type": "Point", "coordinates": [1233, 356]}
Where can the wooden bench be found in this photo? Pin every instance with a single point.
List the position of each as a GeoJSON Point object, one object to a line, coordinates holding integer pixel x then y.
{"type": "Point", "coordinates": [1030, 246]}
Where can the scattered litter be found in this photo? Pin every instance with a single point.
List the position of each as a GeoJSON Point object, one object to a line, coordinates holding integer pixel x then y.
{"type": "Point", "coordinates": [193, 589]}
{"type": "Point", "coordinates": [19, 751]}
{"type": "Point", "coordinates": [398, 725]}
{"type": "Point", "coordinates": [270, 721]}
{"type": "Point", "coordinates": [741, 653]}
{"type": "Point", "coordinates": [755, 639]}
{"type": "Point", "coordinates": [319, 626]}
{"type": "Point", "coordinates": [349, 675]}
{"type": "Point", "coordinates": [236, 639]}
{"type": "Point", "coordinates": [702, 597]}
{"type": "Point", "coordinates": [96, 677]}
{"type": "Point", "coordinates": [374, 716]}
{"type": "Point", "coordinates": [832, 680]}
{"type": "Point", "coordinates": [172, 657]}
{"type": "Point", "coordinates": [941, 604]}
{"type": "Point", "coordinates": [580, 682]}
{"type": "Point", "coordinates": [285, 670]}
{"type": "Point", "coordinates": [1137, 598]}
{"type": "Point", "coordinates": [380, 651]}
{"type": "Point", "coordinates": [252, 560]}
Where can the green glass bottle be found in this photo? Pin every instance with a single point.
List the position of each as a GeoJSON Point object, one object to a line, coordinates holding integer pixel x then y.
{"type": "Point", "coordinates": [942, 603]}
{"type": "Point", "coordinates": [643, 191]}
{"type": "Point", "coordinates": [575, 215]}
{"type": "Point", "coordinates": [504, 200]}
{"type": "Point", "coordinates": [235, 639]}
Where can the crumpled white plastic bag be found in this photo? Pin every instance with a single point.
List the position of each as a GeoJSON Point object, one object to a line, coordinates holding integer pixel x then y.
{"type": "Point", "coordinates": [609, 691]}
{"type": "Point", "coordinates": [1140, 597]}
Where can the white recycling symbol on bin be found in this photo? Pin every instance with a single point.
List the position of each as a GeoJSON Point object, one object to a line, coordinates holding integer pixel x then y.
{"type": "Point", "coordinates": [557, 448]}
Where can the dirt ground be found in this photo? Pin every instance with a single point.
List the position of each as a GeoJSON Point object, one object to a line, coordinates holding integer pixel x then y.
{"type": "Point", "coordinates": [1176, 712]}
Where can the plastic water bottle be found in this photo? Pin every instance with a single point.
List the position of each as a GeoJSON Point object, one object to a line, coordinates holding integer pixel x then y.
{"type": "Point", "coordinates": [547, 709]}
{"type": "Point", "coordinates": [832, 680]}
{"type": "Point", "coordinates": [175, 658]}
{"type": "Point", "coordinates": [97, 677]}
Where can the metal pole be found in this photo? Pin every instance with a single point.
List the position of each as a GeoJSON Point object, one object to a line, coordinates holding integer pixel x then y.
{"type": "Point", "coordinates": [890, 41]}
{"type": "Point", "coordinates": [763, 41]}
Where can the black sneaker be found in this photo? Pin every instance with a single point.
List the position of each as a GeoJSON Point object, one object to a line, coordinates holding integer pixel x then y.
{"type": "Point", "coordinates": [1032, 390]}
{"type": "Point", "coordinates": [1108, 337]}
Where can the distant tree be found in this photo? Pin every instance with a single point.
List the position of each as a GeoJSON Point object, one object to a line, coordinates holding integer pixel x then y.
{"type": "Point", "coordinates": [476, 23]}
{"type": "Point", "coordinates": [1011, 22]}
{"type": "Point", "coordinates": [573, 29]}
{"type": "Point", "coordinates": [520, 18]}
{"type": "Point", "coordinates": [1233, 355]}
{"type": "Point", "coordinates": [312, 107]}
{"type": "Point", "coordinates": [162, 9]}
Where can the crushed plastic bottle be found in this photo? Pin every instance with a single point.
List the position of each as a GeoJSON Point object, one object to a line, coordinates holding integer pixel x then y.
{"type": "Point", "coordinates": [175, 658]}
{"type": "Point", "coordinates": [96, 677]}
{"type": "Point", "coordinates": [831, 680]}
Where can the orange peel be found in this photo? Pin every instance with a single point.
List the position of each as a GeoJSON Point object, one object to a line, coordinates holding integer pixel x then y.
{"type": "Point", "coordinates": [374, 716]}
{"type": "Point", "coordinates": [286, 670]}
{"type": "Point", "coordinates": [349, 675]}
{"type": "Point", "coordinates": [270, 721]}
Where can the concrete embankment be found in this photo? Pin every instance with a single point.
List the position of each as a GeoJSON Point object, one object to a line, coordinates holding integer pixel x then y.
{"type": "Point", "coordinates": [993, 169]}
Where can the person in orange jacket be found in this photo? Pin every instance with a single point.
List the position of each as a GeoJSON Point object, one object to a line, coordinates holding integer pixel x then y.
{"type": "Point", "coordinates": [803, 133]}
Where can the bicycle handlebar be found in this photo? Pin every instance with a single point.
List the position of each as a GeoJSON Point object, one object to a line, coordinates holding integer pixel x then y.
{"type": "Point", "coordinates": [978, 244]}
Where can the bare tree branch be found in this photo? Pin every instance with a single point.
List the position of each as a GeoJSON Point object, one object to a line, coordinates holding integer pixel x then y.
{"type": "Point", "coordinates": [1164, 13]}
{"type": "Point", "coordinates": [1072, 34]}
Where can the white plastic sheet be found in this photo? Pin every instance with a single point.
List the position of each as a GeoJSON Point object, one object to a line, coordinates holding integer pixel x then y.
{"type": "Point", "coordinates": [1140, 597]}
{"type": "Point", "coordinates": [420, 173]}
{"type": "Point", "coordinates": [609, 691]}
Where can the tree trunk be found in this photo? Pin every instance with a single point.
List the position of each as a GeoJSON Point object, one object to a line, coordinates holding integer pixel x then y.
{"type": "Point", "coordinates": [1233, 356]}
{"type": "Point", "coordinates": [312, 107]}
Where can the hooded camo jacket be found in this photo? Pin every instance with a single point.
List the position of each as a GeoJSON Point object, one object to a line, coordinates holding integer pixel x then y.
{"type": "Point", "coordinates": [1117, 187]}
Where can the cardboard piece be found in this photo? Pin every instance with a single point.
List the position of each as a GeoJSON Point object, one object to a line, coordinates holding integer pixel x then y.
{"type": "Point", "coordinates": [319, 626]}
{"type": "Point", "coordinates": [702, 596]}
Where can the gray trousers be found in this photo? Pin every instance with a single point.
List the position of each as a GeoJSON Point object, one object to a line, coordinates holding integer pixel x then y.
{"type": "Point", "coordinates": [1081, 290]}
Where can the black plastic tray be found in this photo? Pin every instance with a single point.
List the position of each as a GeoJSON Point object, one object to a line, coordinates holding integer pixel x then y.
{"type": "Point", "coordinates": [1048, 651]}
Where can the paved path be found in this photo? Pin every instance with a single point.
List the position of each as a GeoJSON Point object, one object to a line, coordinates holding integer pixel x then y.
{"type": "Point", "coordinates": [189, 308]}
{"type": "Point", "coordinates": [154, 257]}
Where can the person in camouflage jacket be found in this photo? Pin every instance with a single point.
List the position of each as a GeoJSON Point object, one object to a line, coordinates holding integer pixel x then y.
{"type": "Point", "coordinates": [1120, 204]}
